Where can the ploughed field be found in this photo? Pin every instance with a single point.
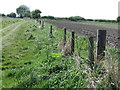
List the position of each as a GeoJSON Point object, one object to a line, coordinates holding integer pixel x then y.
{"type": "Point", "coordinates": [90, 30]}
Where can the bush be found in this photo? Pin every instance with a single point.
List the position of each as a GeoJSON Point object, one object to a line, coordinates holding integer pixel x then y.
{"type": "Point", "coordinates": [3, 15]}
{"type": "Point", "coordinates": [103, 20]}
{"type": "Point", "coordinates": [118, 19]}
{"type": "Point", "coordinates": [13, 15]}
{"type": "Point", "coordinates": [48, 17]}
{"type": "Point", "coordinates": [89, 19]}
{"type": "Point", "coordinates": [76, 18]}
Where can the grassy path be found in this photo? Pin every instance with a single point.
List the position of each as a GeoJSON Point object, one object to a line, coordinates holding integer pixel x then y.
{"type": "Point", "coordinates": [8, 30]}
{"type": "Point", "coordinates": [8, 27]}
{"type": "Point", "coordinates": [4, 21]}
{"type": "Point", "coordinates": [8, 33]}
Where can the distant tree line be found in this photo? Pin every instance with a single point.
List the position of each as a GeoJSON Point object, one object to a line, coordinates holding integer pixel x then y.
{"type": "Point", "coordinates": [73, 18]}
{"type": "Point", "coordinates": [103, 20]}
{"type": "Point", "coordinates": [48, 17]}
{"type": "Point", "coordinates": [24, 11]}
{"type": "Point", "coordinates": [78, 18]}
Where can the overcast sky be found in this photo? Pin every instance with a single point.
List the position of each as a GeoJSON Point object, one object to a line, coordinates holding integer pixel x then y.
{"type": "Point", "coordinates": [94, 9]}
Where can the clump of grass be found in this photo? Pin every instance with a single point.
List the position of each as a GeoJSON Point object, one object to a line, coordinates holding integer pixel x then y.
{"type": "Point", "coordinates": [67, 49]}
{"type": "Point", "coordinates": [110, 64]}
{"type": "Point", "coordinates": [105, 72]}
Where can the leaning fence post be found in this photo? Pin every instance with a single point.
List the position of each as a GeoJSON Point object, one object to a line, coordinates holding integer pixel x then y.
{"type": "Point", "coordinates": [72, 42]}
{"type": "Point", "coordinates": [51, 31]}
{"type": "Point", "coordinates": [91, 51]}
{"type": "Point", "coordinates": [101, 42]}
{"type": "Point", "coordinates": [64, 36]}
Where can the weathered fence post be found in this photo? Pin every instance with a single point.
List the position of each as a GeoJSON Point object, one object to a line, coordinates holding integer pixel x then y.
{"type": "Point", "coordinates": [42, 24]}
{"type": "Point", "coordinates": [91, 51]}
{"type": "Point", "coordinates": [51, 31]}
{"type": "Point", "coordinates": [76, 38]}
{"type": "Point", "coordinates": [64, 36]}
{"type": "Point", "coordinates": [37, 20]}
{"type": "Point", "coordinates": [72, 42]}
{"type": "Point", "coordinates": [101, 42]}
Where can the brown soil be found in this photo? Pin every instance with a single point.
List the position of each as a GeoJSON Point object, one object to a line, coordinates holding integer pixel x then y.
{"type": "Point", "coordinates": [89, 30]}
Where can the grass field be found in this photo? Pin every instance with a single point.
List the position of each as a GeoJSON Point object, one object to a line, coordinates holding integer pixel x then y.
{"type": "Point", "coordinates": [105, 24]}
{"type": "Point", "coordinates": [31, 59]}
{"type": "Point", "coordinates": [4, 22]}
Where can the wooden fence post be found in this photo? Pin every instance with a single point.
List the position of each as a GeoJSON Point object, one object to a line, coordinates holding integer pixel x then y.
{"type": "Point", "coordinates": [42, 24]}
{"type": "Point", "coordinates": [72, 42]}
{"type": "Point", "coordinates": [51, 31]}
{"type": "Point", "coordinates": [91, 51]}
{"type": "Point", "coordinates": [64, 36]}
{"type": "Point", "coordinates": [101, 42]}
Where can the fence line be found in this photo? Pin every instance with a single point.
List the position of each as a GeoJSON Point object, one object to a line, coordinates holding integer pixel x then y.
{"type": "Point", "coordinates": [101, 42]}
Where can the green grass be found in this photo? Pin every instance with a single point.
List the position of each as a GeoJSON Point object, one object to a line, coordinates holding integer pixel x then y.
{"type": "Point", "coordinates": [33, 60]}
{"type": "Point", "coordinates": [7, 21]}
{"type": "Point", "coordinates": [31, 63]}
{"type": "Point", "coordinates": [105, 24]}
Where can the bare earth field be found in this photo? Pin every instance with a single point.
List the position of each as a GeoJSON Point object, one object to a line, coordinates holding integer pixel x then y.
{"type": "Point", "coordinates": [90, 30]}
